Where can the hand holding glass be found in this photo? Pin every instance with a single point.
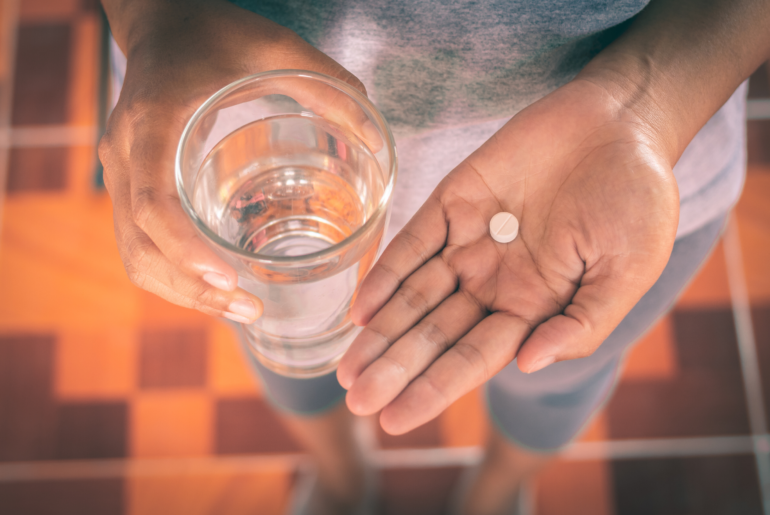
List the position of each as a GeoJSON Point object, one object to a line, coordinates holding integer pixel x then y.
{"type": "Point", "coordinates": [288, 176]}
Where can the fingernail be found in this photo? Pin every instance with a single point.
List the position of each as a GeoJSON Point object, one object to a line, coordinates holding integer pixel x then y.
{"type": "Point", "coordinates": [237, 318]}
{"type": "Point", "coordinates": [217, 281]}
{"type": "Point", "coordinates": [542, 363]}
{"type": "Point", "coordinates": [244, 308]}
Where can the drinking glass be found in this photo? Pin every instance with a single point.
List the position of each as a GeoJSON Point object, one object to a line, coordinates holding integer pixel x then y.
{"type": "Point", "coordinates": [288, 176]}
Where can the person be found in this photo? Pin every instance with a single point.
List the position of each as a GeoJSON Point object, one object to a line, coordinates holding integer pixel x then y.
{"type": "Point", "coordinates": [613, 130]}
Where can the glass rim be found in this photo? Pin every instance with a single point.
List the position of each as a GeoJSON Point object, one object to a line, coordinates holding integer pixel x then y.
{"type": "Point", "coordinates": [369, 108]}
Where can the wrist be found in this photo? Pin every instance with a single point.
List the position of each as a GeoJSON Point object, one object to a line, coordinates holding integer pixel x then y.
{"type": "Point", "coordinates": [640, 95]}
{"type": "Point", "coordinates": [680, 60]}
{"type": "Point", "coordinates": [133, 21]}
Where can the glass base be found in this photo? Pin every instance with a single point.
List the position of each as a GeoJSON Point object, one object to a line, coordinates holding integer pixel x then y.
{"type": "Point", "coordinates": [301, 357]}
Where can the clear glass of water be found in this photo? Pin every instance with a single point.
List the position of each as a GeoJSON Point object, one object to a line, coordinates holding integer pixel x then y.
{"type": "Point", "coordinates": [288, 176]}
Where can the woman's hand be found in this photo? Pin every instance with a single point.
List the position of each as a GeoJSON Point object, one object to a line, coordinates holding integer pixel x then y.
{"type": "Point", "coordinates": [180, 53]}
{"type": "Point", "coordinates": [446, 307]}
{"type": "Point", "coordinates": [588, 172]}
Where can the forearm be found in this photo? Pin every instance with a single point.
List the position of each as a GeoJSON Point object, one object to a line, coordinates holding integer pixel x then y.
{"type": "Point", "coordinates": [681, 60]}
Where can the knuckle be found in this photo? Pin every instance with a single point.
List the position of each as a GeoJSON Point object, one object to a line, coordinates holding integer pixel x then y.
{"type": "Point", "coordinates": [138, 253]}
{"type": "Point", "coordinates": [281, 40]}
{"type": "Point", "coordinates": [204, 296]}
{"type": "Point", "coordinates": [475, 359]}
{"type": "Point", "coordinates": [396, 365]}
{"type": "Point", "coordinates": [140, 101]}
{"type": "Point", "coordinates": [143, 204]}
{"type": "Point", "coordinates": [104, 149]}
{"type": "Point", "coordinates": [433, 334]}
{"type": "Point", "coordinates": [473, 301]}
{"type": "Point", "coordinates": [415, 244]}
{"type": "Point", "coordinates": [379, 334]}
{"type": "Point", "coordinates": [136, 276]}
{"type": "Point", "coordinates": [413, 298]}
{"type": "Point", "coordinates": [390, 272]}
{"type": "Point", "coordinates": [355, 82]}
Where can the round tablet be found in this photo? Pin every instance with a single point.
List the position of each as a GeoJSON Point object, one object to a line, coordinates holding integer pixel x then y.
{"type": "Point", "coordinates": [504, 227]}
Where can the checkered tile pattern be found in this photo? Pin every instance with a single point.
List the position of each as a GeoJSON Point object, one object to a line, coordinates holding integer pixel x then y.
{"type": "Point", "coordinates": [96, 374]}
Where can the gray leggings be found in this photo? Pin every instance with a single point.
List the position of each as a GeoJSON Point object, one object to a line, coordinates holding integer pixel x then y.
{"type": "Point", "coordinates": [545, 410]}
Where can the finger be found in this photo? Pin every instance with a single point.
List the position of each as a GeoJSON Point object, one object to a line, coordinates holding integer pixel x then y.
{"type": "Point", "coordinates": [381, 382]}
{"type": "Point", "coordinates": [339, 107]}
{"type": "Point", "coordinates": [324, 100]}
{"type": "Point", "coordinates": [479, 355]}
{"type": "Point", "coordinates": [606, 295]}
{"type": "Point", "coordinates": [330, 102]}
{"type": "Point", "coordinates": [416, 297]}
{"type": "Point", "coordinates": [156, 209]}
{"type": "Point", "coordinates": [418, 241]}
{"type": "Point", "coordinates": [150, 270]}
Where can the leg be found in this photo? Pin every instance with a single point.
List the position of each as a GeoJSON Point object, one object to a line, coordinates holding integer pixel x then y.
{"type": "Point", "coordinates": [314, 412]}
{"type": "Point", "coordinates": [504, 469]}
{"type": "Point", "coordinates": [329, 439]}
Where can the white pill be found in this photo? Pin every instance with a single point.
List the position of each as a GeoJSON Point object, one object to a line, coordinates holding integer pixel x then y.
{"type": "Point", "coordinates": [504, 227]}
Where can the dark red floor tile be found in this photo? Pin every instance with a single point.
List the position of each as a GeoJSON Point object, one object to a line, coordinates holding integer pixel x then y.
{"type": "Point", "coordinates": [36, 11]}
{"type": "Point", "coordinates": [687, 486]}
{"type": "Point", "coordinates": [27, 413]}
{"type": "Point", "coordinates": [66, 497]}
{"type": "Point", "coordinates": [427, 435]}
{"type": "Point", "coordinates": [759, 83]}
{"type": "Point", "coordinates": [92, 430]}
{"type": "Point", "coordinates": [249, 425]}
{"type": "Point", "coordinates": [574, 487]}
{"type": "Point", "coordinates": [91, 6]}
{"type": "Point", "coordinates": [706, 396]}
{"type": "Point", "coordinates": [758, 134]}
{"type": "Point", "coordinates": [34, 427]}
{"type": "Point", "coordinates": [172, 359]}
{"type": "Point", "coordinates": [696, 406]}
{"type": "Point", "coordinates": [761, 317]}
{"type": "Point", "coordinates": [42, 74]}
{"type": "Point", "coordinates": [706, 340]}
{"type": "Point", "coordinates": [37, 169]}
{"type": "Point", "coordinates": [412, 491]}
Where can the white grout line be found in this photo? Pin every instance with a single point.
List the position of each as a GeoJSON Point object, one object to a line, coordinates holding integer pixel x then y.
{"type": "Point", "coordinates": [744, 328]}
{"type": "Point", "coordinates": [758, 109]}
{"type": "Point", "coordinates": [85, 469]}
{"type": "Point", "coordinates": [428, 458]}
{"type": "Point", "coordinates": [752, 381]}
{"type": "Point", "coordinates": [48, 136]}
{"type": "Point", "coordinates": [434, 457]}
{"type": "Point", "coordinates": [660, 448]}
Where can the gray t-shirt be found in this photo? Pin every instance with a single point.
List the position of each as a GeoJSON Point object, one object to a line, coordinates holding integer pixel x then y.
{"type": "Point", "coordinates": [447, 74]}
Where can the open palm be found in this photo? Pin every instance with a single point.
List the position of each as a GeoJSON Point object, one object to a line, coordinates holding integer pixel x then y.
{"type": "Point", "coordinates": [446, 307]}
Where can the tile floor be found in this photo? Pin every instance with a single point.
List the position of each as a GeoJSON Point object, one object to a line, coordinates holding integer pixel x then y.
{"type": "Point", "coordinates": [113, 401]}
